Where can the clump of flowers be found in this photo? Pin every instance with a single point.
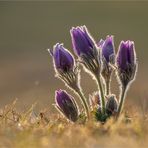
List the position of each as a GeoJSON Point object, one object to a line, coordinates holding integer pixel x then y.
{"type": "Point", "coordinates": [101, 62]}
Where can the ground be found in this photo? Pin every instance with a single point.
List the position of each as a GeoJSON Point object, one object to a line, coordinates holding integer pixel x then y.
{"type": "Point", "coordinates": [30, 130]}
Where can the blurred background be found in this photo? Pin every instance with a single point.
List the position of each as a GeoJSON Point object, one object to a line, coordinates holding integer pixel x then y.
{"type": "Point", "coordinates": [28, 29]}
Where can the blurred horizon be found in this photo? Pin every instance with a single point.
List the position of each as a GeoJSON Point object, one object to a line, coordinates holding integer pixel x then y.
{"type": "Point", "coordinates": [28, 29]}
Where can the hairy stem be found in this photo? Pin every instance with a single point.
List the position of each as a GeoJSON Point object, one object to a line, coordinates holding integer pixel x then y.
{"type": "Point", "coordinates": [107, 87]}
{"type": "Point", "coordinates": [78, 91]}
{"type": "Point", "coordinates": [101, 93]}
{"type": "Point", "coordinates": [83, 100]}
{"type": "Point", "coordinates": [121, 102]}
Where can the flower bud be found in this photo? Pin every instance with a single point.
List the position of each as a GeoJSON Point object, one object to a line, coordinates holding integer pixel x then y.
{"type": "Point", "coordinates": [108, 58]}
{"type": "Point", "coordinates": [62, 58]}
{"type": "Point", "coordinates": [67, 105]}
{"type": "Point", "coordinates": [81, 40]}
{"type": "Point", "coordinates": [108, 49]}
{"type": "Point", "coordinates": [111, 105]}
{"type": "Point", "coordinates": [85, 48]}
{"type": "Point", "coordinates": [126, 62]}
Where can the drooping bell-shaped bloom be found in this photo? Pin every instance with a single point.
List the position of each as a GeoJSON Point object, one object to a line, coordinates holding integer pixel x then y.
{"type": "Point", "coordinates": [111, 105]}
{"type": "Point", "coordinates": [67, 105]}
{"type": "Point", "coordinates": [126, 61]}
{"type": "Point", "coordinates": [108, 49]}
{"type": "Point", "coordinates": [81, 40]}
{"type": "Point", "coordinates": [62, 58]}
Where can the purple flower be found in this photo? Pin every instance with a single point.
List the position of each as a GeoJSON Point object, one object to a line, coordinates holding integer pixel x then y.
{"type": "Point", "coordinates": [108, 57]}
{"type": "Point", "coordinates": [63, 59]}
{"type": "Point", "coordinates": [108, 49]}
{"type": "Point", "coordinates": [126, 61]}
{"type": "Point", "coordinates": [126, 55]}
{"type": "Point", "coordinates": [81, 40]}
{"type": "Point", "coordinates": [86, 49]}
{"type": "Point", "coordinates": [67, 105]}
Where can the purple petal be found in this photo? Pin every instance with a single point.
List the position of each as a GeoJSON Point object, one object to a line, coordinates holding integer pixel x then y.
{"type": "Point", "coordinates": [126, 54]}
{"type": "Point", "coordinates": [61, 97]}
{"type": "Point", "coordinates": [62, 58]}
{"type": "Point", "coordinates": [81, 40]}
{"type": "Point", "coordinates": [131, 53]}
{"type": "Point", "coordinates": [108, 48]}
{"type": "Point", "coordinates": [88, 37]}
{"type": "Point", "coordinates": [122, 59]}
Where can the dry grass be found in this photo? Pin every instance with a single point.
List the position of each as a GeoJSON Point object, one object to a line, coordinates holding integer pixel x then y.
{"type": "Point", "coordinates": [28, 130]}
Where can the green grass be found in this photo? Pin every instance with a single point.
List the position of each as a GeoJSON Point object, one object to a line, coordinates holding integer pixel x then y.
{"type": "Point", "coordinates": [27, 129]}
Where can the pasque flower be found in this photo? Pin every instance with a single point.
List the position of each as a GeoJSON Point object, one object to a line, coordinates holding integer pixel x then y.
{"type": "Point", "coordinates": [126, 62]}
{"type": "Point", "coordinates": [67, 105]}
{"type": "Point", "coordinates": [108, 49]}
{"type": "Point", "coordinates": [63, 59]}
{"type": "Point", "coordinates": [64, 65]}
{"type": "Point", "coordinates": [126, 68]}
{"type": "Point", "coordinates": [85, 48]}
{"type": "Point", "coordinates": [82, 41]}
{"type": "Point", "coordinates": [108, 58]}
{"type": "Point", "coordinates": [88, 54]}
